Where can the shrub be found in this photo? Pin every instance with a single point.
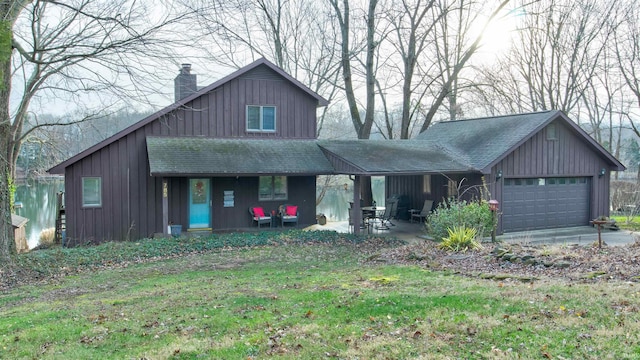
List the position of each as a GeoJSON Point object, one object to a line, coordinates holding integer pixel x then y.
{"type": "Point", "coordinates": [461, 239]}
{"type": "Point", "coordinates": [460, 213]}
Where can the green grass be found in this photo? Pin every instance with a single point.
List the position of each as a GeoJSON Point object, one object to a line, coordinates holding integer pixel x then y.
{"type": "Point", "coordinates": [294, 300]}
{"type": "Point", "coordinates": [623, 223]}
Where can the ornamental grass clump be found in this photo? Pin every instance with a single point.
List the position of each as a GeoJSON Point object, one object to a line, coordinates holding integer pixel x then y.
{"type": "Point", "coordinates": [461, 239]}
{"type": "Point", "coordinates": [47, 237]}
{"type": "Point", "coordinates": [459, 213]}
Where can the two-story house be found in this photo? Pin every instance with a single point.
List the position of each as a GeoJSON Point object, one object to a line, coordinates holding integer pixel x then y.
{"type": "Point", "coordinates": [201, 162]}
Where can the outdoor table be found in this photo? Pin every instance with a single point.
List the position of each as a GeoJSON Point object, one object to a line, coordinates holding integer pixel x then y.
{"type": "Point", "coordinates": [377, 212]}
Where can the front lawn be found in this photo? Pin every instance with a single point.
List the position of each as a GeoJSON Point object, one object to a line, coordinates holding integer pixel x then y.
{"type": "Point", "coordinates": [305, 299]}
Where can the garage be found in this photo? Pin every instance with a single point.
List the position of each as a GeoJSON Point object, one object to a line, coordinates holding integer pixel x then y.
{"type": "Point", "coordinates": [544, 170]}
{"type": "Point", "coordinates": [542, 203]}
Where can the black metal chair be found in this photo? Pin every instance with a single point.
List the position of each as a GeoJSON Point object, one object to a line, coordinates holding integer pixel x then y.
{"type": "Point", "coordinates": [385, 219]}
{"type": "Point", "coordinates": [367, 218]}
{"type": "Point", "coordinates": [393, 203]}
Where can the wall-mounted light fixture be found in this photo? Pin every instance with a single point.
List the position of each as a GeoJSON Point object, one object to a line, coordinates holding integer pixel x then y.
{"type": "Point", "coordinates": [603, 171]}
{"type": "Point", "coordinates": [499, 175]}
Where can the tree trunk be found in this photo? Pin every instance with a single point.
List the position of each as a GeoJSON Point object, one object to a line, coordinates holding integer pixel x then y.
{"type": "Point", "coordinates": [362, 128]}
{"type": "Point", "coordinates": [7, 241]}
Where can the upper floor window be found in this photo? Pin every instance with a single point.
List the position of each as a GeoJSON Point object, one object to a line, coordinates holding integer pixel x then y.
{"type": "Point", "coordinates": [91, 192]}
{"type": "Point", "coordinates": [261, 118]}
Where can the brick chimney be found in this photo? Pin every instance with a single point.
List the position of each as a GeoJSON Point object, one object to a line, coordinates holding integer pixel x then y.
{"type": "Point", "coordinates": [185, 83]}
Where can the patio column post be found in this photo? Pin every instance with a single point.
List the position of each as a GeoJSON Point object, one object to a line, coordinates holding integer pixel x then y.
{"type": "Point", "coordinates": [165, 206]}
{"type": "Point", "coordinates": [356, 212]}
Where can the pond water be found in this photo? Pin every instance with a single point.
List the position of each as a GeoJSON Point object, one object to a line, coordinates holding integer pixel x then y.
{"type": "Point", "coordinates": [38, 200]}
{"type": "Point", "coordinates": [335, 204]}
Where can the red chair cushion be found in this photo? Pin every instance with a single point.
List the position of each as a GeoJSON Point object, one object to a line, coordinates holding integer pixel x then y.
{"type": "Point", "coordinates": [292, 210]}
{"type": "Point", "coordinates": [258, 212]}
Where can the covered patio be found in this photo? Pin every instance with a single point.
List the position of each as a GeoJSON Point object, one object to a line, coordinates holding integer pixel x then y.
{"type": "Point", "coordinates": [408, 167]}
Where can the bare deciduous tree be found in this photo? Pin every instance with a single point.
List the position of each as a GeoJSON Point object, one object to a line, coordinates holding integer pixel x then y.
{"type": "Point", "coordinates": [412, 23]}
{"type": "Point", "coordinates": [555, 55]}
{"type": "Point", "coordinates": [65, 50]}
{"type": "Point", "coordinates": [457, 59]}
{"type": "Point", "coordinates": [293, 34]}
{"type": "Point", "coordinates": [627, 50]}
{"type": "Point", "coordinates": [362, 126]}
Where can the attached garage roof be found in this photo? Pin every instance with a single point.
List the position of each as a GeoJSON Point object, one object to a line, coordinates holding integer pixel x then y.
{"type": "Point", "coordinates": [488, 140]}
{"type": "Point", "coordinates": [173, 156]}
{"type": "Point", "coordinates": [384, 157]}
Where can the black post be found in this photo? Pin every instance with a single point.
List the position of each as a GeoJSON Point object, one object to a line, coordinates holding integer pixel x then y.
{"type": "Point", "coordinates": [493, 225]}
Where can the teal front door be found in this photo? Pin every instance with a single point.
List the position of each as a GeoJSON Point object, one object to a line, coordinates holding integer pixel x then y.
{"type": "Point", "coordinates": [199, 203]}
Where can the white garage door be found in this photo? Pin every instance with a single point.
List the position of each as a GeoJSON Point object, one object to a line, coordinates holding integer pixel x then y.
{"type": "Point", "coordinates": [530, 204]}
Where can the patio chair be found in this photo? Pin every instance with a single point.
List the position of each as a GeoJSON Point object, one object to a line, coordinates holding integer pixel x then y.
{"type": "Point", "coordinates": [422, 215]}
{"type": "Point", "coordinates": [258, 215]}
{"type": "Point", "coordinates": [366, 222]}
{"type": "Point", "coordinates": [288, 214]}
{"type": "Point", "coordinates": [393, 203]}
{"type": "Point", "coordinates": [385, 219]}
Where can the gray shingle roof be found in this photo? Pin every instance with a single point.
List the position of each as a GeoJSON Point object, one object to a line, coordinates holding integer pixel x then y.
{"type": "Point", "coordinates": [447, 147]}
{"type": "Point", "coordinates": [484, 140]}
{"type": "Point", "coordinates": [381, 157]}
{"type": "Point", "coordinates": [191, 156]}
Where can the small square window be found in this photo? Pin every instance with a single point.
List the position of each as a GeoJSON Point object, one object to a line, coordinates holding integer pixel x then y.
{"type": "Point", "coordinates": [91, 192]}
{"type": "Point", "coordinates": [261, 118]}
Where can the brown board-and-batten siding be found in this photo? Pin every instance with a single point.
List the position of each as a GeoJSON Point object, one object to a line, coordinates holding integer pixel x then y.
{"type": "Point", "coordinates": [245, 195]}
{"type": "Point", "coordinates": [547, 160]}
{"type": "Point", "coordinates": [469, 189]}
{"type": "Point", "coordinates": [131, 198]}
{"type": "Point", "coordinates": [128, 207]}
{"type": "Point", "coordinates": [221, 113]}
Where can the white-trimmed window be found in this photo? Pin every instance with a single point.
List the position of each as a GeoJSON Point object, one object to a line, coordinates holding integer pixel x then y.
{"type": "Point", "coordinates": [91, 192]}
{"type": "Point", "coordinates": [261, 118]}
{"type": "Point", "coordinates": [272, 188]}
